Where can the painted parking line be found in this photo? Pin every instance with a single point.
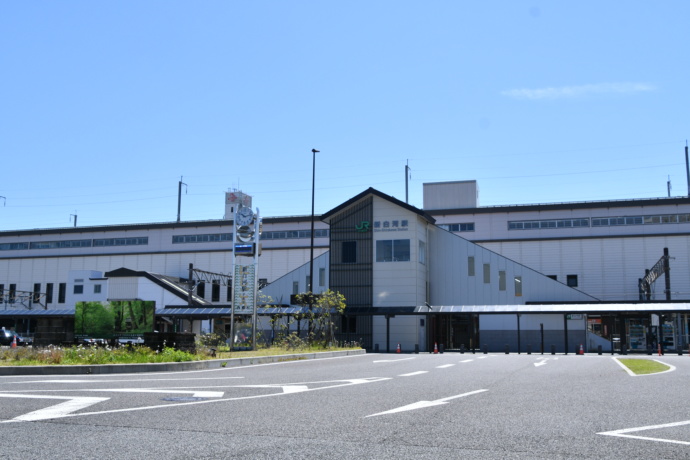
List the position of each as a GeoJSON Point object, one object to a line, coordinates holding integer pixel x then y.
{"type": "Point", "coordinates": [413, 373]}
{"type": "Point", "coordinates": [391, 360]}
{"type": "Point", "coordinates": [445, 366]}
{"type": "Point", "coordinates": [624, 433]}
{"type": "Point", "coordinates": [425, 404]}
{"type": "Point", "coordinates": [467, 361]}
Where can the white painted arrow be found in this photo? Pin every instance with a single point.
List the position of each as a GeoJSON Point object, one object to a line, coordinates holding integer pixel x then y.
{"type": "Point", "coordinates": [540, 363]}
{"type": "Point", "coordinates": [196, 394]}
{"type": "Point", "coordinates": [424, 404]}
{"type": "Point", "coordinates": [59, 410]}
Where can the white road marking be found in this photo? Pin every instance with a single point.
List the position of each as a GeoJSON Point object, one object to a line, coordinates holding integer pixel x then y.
{"type": "Point", "coordinates": [540, 363]}
{"type": "Point", "coordinates": [445, 366]}
{"type": "Point", "coordinates": [334, 384]}
{"type": "Point", "coordinates": [196, 394]}
{"type": "Point", "coordinates": [120, 381]}
{"type": "Point", "coordinates": [391, 360]}
{"type": "Point", "coordinates": [59, 410]}
{"type": "Point", "coordinates": [467, 361]}
{"type": "Point", "coordinates": [624, 433]}
{"type": "Point", "coordinates": [413, 373]}
{"type": "Point", "coordinates": [424, 404]}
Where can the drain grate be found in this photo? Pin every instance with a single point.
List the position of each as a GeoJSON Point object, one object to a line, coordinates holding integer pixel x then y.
{"type": "Point", "coordinates": [183, 398]}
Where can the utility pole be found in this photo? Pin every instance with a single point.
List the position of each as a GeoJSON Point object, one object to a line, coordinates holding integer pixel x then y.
{"type": "Point", "coordinates": [75, 217]}
{"type": "Point", "coordinates": [179, 197]}
{"type": "Point", "coordinates": [407, 177]}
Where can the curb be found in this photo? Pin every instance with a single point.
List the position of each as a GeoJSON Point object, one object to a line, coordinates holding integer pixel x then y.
{"type": "Point", "coordinates": [169, 367]}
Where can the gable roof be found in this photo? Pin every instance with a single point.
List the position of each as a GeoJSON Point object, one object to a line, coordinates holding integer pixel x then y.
{"type": "Point", "coordinates": [372, 191]}
{"type": "Point", "coordinates": [175, 285]}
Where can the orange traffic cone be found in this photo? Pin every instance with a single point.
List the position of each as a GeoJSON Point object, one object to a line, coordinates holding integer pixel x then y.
{"type": "Point", "coordinates": [581, 351]}
{"type": "Point", "coordinates": [398, 349]}
{"type": "Point", "coordinates": [659, 349]}
{"type": "Point", "coordinates": [14, 342]}
{"type": "Point", "coordinates": [435, 347]}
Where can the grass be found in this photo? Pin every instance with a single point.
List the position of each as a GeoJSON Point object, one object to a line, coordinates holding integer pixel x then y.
{"type": "Point", "coordinates": [644, 366]}
{"type": "Point", "coordinates": [81, 355]}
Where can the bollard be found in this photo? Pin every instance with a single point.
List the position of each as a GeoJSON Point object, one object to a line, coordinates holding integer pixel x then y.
{"type": "Point", "coordinates": [680, 351]}
{"type": "Point", "coordinates": [376, 348]}
{"type": "Point", "coordinates": [507, 348]}
{"type": "Point", "coordinates": [441, 348]}
{"type": "Point", "coordinates": [553, 349]}
{"type": "Point", "coordinates": [486, 349]}
{"type": "Point", "coordinates": [649, 350]}
{"type": "Point", "coordinates": [529, 349]}
{"type": "Point", "coordinates": [599, 350]}
{"type": "Point", "coordinates": [624, 349]}
{"type": "Point", "coordinates": [462, 348]}
{"type": "Point", "coordinates": [416, 349]}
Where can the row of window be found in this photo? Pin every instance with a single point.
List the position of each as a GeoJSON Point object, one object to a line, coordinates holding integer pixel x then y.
{"type": "Point", "coordinates": [466, 227]}
{"type": "Point", "coordinates": [100, 242]}
{"type": "Point", "coordinates": [322, 282]}
{"type": "Point", "coordinates": [13, 296]}
{"type": "Point", "coordinates": [502, 280]}
{"type": "Point", "coordinates": [599, 222]}
{"type": "Point", "coordinates": [139, 241]}
{"type": "Point", "coordinates": [293, 234]}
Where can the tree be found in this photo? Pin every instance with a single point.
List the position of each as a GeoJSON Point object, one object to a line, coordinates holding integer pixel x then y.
{"type": "Point", "coordinates": [323, 309]}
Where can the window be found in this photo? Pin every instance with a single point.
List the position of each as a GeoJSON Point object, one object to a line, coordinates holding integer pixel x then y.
{"type": "Point", "coordinates": [201, 289]}
{"type": "Point", "coordinates": [37, 292]}
{"type": "Point", "coordinates": [78, 288]}
{"type": "Point", "coordinates": [422, 252]}
{"type": "Point", "coordinates": [228, 297]}
{"type": "Point", "coordinates": [393, 251]}
{"type": "Point", "coordinates": [206, 238]}
{"type": "Point", "coordinates": [49, 293]}
{"type": "Point", "coordinates": [487, 273]}
{"type": "Point", "coordinates": [322, 277]}
{"type": "Point", "coordinates": [62, 291]}
{"type": "Point", "coordinates": [2, 292]}
{"type": "Point", "coordinates": [307, 281]}
{"type": "Point", "coordinates": [349, 249]}
{"type": "Point", "coordinates": [470, 266]}
{"type": "Point", "coordinates": [215, 291]}
{"type": "Point", "coordinates": [13, 292]}
{"type": "Point", "coordinates": [12, 246]}
{"type": "Point", "coordinates": [501, 280]}
{"type": "Point", "coordinates": [553, 277]}
{"type": "Point", "coordinates": [97, 288]}
{"type": "Point", "coordinates": [518, 286]}
{"type": "Point", "coordinates": [135, 241]}
{"type": "Point", "coordinates": [60, 244]}
{"type": "Point", "coordinates": [295, 287]}
{"type": "Point", "coordinates": [348, 324]}
{"type": "Point", "coordinates": [571, 280]}
{"type": "Point", "coordinates": [468, 227]}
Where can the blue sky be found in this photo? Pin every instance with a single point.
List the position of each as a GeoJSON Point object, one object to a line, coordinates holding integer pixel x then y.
{"type": "Point", "coordinates": [105, 105]}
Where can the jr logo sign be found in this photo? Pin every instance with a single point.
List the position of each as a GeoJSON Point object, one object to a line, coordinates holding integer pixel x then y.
{"type": "Point", "coordinates": [363, 226]}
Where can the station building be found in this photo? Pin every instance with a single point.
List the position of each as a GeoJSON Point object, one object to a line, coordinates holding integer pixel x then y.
{"type": "Point", "coordinates": [452, 273]}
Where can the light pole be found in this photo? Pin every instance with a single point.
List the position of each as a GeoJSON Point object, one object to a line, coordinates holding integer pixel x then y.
{"type": "Point", "coordinates": [311, 246]}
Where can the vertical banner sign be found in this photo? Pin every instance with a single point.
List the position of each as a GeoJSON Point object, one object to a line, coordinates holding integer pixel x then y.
{"type": "Point", "coordinates": [243, 283]}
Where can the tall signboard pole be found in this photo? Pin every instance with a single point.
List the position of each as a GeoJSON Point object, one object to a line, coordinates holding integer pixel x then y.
{"type": "Point", "coordinates": [245, 252]}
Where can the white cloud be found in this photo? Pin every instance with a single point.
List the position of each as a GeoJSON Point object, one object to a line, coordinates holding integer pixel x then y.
{"type": "Point", "coordinates": [577, 91]}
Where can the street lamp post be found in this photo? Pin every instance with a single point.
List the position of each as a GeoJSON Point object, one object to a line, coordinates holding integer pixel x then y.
{"type": "Point", "coordinates": [311, 246]}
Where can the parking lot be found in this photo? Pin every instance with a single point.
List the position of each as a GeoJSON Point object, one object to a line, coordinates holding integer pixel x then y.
{"type": "Point", "coordinates": [368, 406]}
